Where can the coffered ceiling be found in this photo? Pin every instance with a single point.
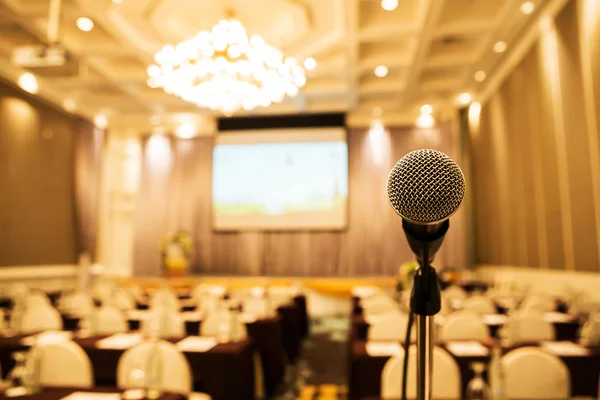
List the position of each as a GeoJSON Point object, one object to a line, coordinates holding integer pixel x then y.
{"type": "Point", "coordinates": [432, 49]}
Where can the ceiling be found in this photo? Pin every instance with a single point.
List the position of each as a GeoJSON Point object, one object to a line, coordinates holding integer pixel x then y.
{"type": "Point", "coordinates": [432, 49]}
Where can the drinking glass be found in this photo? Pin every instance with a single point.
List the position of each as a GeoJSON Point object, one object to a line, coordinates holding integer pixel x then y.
{"type": "Point", "coordinates": [18, 375]}
{"type": "Point", "coordinates": [477, 389]}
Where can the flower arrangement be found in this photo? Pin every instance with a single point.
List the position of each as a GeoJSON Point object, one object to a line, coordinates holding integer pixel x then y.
{"type": "Point", "coordinates": [405, 275]}
{"type": "Point", "coordinates": [176, 252]}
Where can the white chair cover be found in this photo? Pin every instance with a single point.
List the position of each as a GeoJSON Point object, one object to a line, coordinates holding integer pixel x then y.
{"type": "Point", "coordinates": [165, 298]}
{"type": "Point", "coordinates": [446, 382]}
{"type": "Point", "coordinates": [65, 364]}
{"type": "Point", "coordinates": [532, 373]}
{"type": "Point", "coordinates": [479, 304]}
{"type": "Point", "coordinates": [37, 299]}
{"type": "Point", "coordinates": [379, 304]}
{"type": "Point", "coordinates": [464, 325]}
{"type": "Point", "coordinates": [218, 323]}
{"type": "Point", "coordinates": [109, 320]}
{"type": "Point", "coordinates": [38, 319]}
{"type": "Point", "coordinates": [209, 303]}
{"type": "Point", "coordinates": [538, 302]}
{"type": "Point", "coordinates": [79, 304]}
{"type": "Point", "coordinates": [390, 327]}
{"type": "Point", "coordinates": [175, 373]}
{"type": "Point", "coordinates": [455, 295]}
{"type": "Point", "coordinates": [17, 290]}
{"type": "Point", "coordinates": [124, 300]}
{"type": "Point", "coordinates": [529, 326]}
{"type": "Point", "coordinates": [164, 323]}
{"type": "Point", "coordinates": [258, 306]}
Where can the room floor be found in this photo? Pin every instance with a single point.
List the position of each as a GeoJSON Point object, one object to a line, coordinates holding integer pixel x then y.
{"type": "Point", "coordinates": [321, 373]}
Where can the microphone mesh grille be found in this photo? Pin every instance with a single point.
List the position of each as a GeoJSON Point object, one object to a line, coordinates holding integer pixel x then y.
{"type": "Point", "coordinates": [426, 186]}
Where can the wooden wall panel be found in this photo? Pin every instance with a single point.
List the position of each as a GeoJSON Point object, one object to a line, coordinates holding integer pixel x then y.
{"type": "Point", "coordinates": [178, 196]}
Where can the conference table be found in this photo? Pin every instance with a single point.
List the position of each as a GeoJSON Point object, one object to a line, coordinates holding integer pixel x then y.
{"type": "Point", "coordinates": [265, 335]}
{"type": "Point", "coordinates": [58, 393]}
{"type": "Point", "coordinates": [365, 370]}
{"type": "Point", "coordinates": [225, 372]}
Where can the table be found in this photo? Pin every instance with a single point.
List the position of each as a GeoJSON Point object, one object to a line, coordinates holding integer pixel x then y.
{"type": "Point", "coordinates": [365, 372]}
{"type": "Point", "coordinates": [265, 334]}
{"type": "Point", "coordinates": [58, 393]}
{"type": "Point", "coordinates": [212, 371]}
{"type": "Point", "coordinates": [565, 330]}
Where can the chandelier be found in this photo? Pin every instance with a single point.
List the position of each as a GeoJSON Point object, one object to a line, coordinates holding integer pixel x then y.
{"type": "Point", "coordinates": [223, 69]}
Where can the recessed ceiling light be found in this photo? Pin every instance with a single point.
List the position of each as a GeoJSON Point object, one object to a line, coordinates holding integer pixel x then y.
{"type": "Point", "coordinates": [500, 46]}
{"type": "Point", "coordinates": [185, 131]}
{"type": "Point", "coordinates": [69, 105]}
{"type": "Point", "coordinates": [480, 76]}
{"type": "Point", "coordinates": [426, 109]}
{"type": "Point", "coordinates": [389, 5]}
{"type": "Point", "coordinates": [464, 98]}
{"type": "Point", "coordinates": [527, 7]}
{"type": "Point", "coordinates": [85, 24]}
{"type": "Point", "coordinates": [100, 121]}
{"type": "Point", "coordinates": [310, 63]}
{"type": "Point", "coordinates": [425, 121]}
{"type": "Point", "coordinates": [28, 82]}
{"type": "Point", "coordinates": [381, 71]}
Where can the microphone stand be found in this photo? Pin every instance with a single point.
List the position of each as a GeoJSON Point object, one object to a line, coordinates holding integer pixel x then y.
{"type": "Point", "coordinates": [425, 298]}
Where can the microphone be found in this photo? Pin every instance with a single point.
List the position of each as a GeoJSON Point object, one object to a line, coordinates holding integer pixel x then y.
{"type": "Point", "coordinates": [425, 188]}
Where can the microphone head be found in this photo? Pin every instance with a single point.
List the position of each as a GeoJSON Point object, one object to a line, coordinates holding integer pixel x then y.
{"type": "Point", "coordinates": [426, 187]}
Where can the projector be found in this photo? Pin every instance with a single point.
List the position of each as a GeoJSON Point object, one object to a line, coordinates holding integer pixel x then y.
{"type": "Point", "coordinates": [46, 60]}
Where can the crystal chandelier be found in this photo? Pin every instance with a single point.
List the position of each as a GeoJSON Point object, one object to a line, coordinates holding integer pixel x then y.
{"type": "Point", "coordinates": [225, 70]}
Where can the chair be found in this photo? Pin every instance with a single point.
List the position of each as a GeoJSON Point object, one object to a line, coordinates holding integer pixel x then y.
{"type": "Point", "coordinates": [136, 291]}
{"type": "Point", "coordinates": [455, 295]}
{"type": "Point", "coordinates": [17, 290]}
{"type": "Point", "coordinates": [464, 325]}
{"type": "Point", "coordinates": [165, 298]}
{"type": "Point", "coordinates": [480, 304]}
{"type": "Point", "coordinates": [390, 327]}
{"type": "Point", "coordinates": [109, 320]}
{"type": "Point", "coordinates": [64, 364]}
{"type": "Point", "coordinates": [79, 304]}
{"type": "Point", "coordinates": [531, 373]}
{"type": "Point", "coordinates": [379, 304]}
{"type": "Point", "coordinates": [529, 326]}
{"type": "Point", "coordinates": [257, 306]}
{"type": "Point", "coordinates": [38, 319]}
{"type": "Point", "coordinates": [218, 323]}
{"type": "Point", "coordinates": [37, 299]}
{"type": "Point", "coordinates": [446, 379]}
{"type": "Point", "coordinates": [209, 302]}
{"type": "Point", "coordinates": [124, 300]}
{"type": "Point", "coordinates": [538, 302]}
{"type": "Point", "coordinates": [164, 322]}
{"type": "Point", "coordinates": [174, 373]}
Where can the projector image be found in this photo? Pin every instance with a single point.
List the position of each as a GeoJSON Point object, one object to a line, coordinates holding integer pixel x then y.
{"type": "Point", "coordinates": [46, 60]}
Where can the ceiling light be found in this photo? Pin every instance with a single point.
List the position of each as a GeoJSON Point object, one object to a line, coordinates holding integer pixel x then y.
{"type": "Point", "coordinates": [85, 24]}
{"type": "Point", "coordinates": [426, 109]}
{"type": "Point", "coordinates": [527, 7]}
{"type": "Point", "coordinates": [69, 105]}
{"type": "Point", "coordinates": [224, 69]}
{"type": "Point", "coordinates": [381, 71]}
{"type": "Point", "coordinates": [464, 98]}
{"type": "Point", "coordinates": [480, 76]}
{"type": "Point", "coordinates": [310, 63]}
{"type": "Point", "coordinates": [500, 46]}
{"type": "Point", "coordinates": [185, 131]}
{"type": "Point", "coordinates": [389, 5]}
{"type": "Point", "coordinates": [100, 121]}
{"type": "Point", "coordinates": [425, 121]}
{"type": "Point", "coordinates": [28, 82]}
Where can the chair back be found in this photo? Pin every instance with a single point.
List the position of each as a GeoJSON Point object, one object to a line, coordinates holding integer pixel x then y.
{"type": "Point", "coordinates": [379, 304]}
{"type": "Point", "coordinates": [37, 299]}
{"type": "Point", "coordinates": [164, 323]}
{"type": "Point", "coordinates": [464, 325]}
{"type": "Point", "coordinates": [220, 322]}
{"type": "Point", "coordinates": [79, 304]}
{"type": "Point", "coordinates": [38, 319]}
{"type": "Point", "coordinates": [65, 364]}
{"type": "Point", "coordinates": [209, 303]}
{"type": "Point", "coordinates": [174, 374]}
{"type": "Point", "coordinates": [530, 326]}
{"type": "Point", "coordinates": [480, 304]}
{"type": "Point", "coordinates": [165, 298]}
{"type": "Point", "coordinates": [538, 302]}
{"type": "Point", "coordinates": [390, 327]}
{"type": "Point", "coordinates": [446, 383]}
{"type": "Point", "coordinates": [109, 320]}
{"type": "Point", "coordinates": [257, 306]}
{"type": "Point", "coordinates": [531, 373]}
